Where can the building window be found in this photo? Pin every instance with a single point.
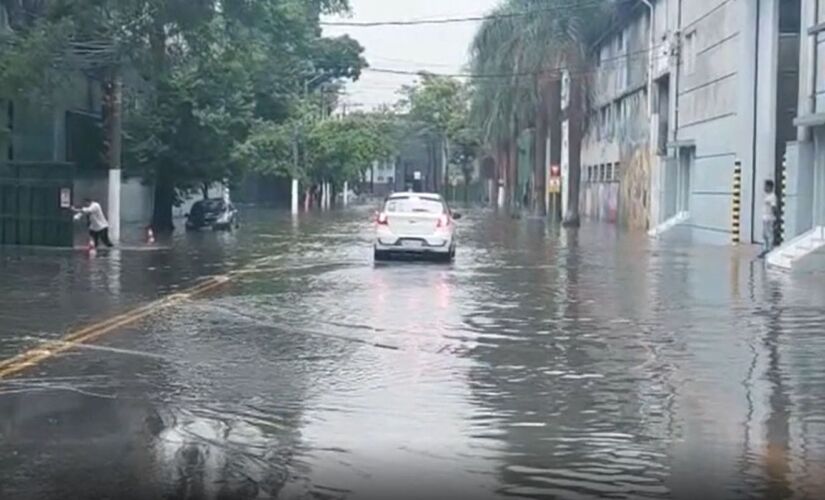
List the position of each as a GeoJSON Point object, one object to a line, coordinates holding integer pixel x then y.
{"type": "Point", "coordinates": [622, 61]}
{"type": "Point", "coordinates": [690, 53]}
{"type": "Point", "coordinates": [621, 43]}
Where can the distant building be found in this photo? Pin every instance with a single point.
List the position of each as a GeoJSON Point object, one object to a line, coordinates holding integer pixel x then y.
{"type": "Point", "coordinates": [382, 177]}
{"type": "Point", "coordinates": [419, 164]}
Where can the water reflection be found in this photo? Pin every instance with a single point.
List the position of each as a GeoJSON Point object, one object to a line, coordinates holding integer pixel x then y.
{"type": "Point", "coordinates": [544, 363]}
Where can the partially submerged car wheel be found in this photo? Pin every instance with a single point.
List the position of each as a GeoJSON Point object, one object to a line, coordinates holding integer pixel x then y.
{"type": "Point", "coordinates": [445, 257]}
{"type": "Point", "coordinates": [380, 255]}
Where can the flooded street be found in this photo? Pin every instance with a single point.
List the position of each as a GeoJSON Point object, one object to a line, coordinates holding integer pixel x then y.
{"type": "Point", "coordinates": [541, 364]}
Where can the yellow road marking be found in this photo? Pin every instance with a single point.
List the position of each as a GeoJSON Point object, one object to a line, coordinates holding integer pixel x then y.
{"type": "Point", "coordinates": [50, 349]}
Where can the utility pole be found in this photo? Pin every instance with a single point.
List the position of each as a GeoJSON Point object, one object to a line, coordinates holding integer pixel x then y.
{"type": "Point", "coordinates": [113, 126]}
{"type": "Point", "coordinates": [298, 135]}
{"type": "Point", "coordinates": [294, 193]}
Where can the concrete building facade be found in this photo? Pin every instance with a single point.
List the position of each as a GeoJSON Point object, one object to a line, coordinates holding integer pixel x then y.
{"type": "Point", "coordinates": [684, 91]}
{"type": "Point", "coordinates": [616, 159]}
{"type": "Point", "coordinates": [803, 179]}
{"type": "Point", "coordinates": [732, 96]}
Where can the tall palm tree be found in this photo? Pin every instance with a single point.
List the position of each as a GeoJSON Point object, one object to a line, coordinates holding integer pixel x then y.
{"type": "Point", "coordinates": [520, 60]}
{"type": "Point", "coordinates": [493, 105]}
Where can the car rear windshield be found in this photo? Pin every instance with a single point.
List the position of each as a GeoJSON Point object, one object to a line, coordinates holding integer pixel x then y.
{"type": "Point", "coordinates": [209, 206]}
{"type": "Point", "coordinates": [414, 204]}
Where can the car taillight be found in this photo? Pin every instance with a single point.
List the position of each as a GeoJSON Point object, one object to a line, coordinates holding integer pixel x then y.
{"type": "Point", "coordinates": [443, 221]}
{"type": "Point", "coordinates": [381, 219]}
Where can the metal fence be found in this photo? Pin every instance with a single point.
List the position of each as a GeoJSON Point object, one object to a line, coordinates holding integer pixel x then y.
{"type": "Point", "coordinates": [35, 201]}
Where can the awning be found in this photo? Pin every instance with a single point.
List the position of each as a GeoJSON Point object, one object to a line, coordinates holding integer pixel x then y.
{"type": "Point", "coordinates": [688, 143]}
{"type": "Point", "coordinates": [812, 120]}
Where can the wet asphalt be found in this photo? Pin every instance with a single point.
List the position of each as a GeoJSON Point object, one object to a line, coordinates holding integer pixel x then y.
{"type": "Point", "coordinates": [543, 363]}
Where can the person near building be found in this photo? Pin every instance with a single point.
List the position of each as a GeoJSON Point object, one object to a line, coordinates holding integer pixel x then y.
{"type": "Point", "coordinates": [98, 225]}
{"type": "Point", "coordinates": [770, 213]}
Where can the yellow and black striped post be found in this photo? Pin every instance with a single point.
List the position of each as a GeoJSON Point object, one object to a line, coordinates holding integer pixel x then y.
{"type": "Point", "coordinates": [737, 203]}
{"type": "Point", "coordinates": [783, 192]}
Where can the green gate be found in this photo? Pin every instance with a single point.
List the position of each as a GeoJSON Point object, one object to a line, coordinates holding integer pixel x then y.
{"type": "Point", "coordinates": [34, 204]}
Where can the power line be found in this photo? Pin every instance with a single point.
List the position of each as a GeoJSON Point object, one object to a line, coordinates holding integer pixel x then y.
{"type": "Point", "coordinates": [408, 61]}
{"type": "Point", "coordinates": [544, 71]}
{"type": "Point", "coordinates": [467, 19]}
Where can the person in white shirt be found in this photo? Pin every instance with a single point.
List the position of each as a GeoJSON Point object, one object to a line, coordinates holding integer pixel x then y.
{"type": "Point", "coordinates": [98, 225]}
{"type": "Point", "coordinates": [769, 216]}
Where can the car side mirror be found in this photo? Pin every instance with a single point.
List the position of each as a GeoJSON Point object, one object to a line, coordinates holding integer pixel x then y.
{"type": "Point", "coordinates": [456, 215]}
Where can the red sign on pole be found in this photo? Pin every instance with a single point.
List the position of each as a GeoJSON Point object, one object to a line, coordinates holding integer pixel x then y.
{"type": "Point", "coordinates": [554, 183]}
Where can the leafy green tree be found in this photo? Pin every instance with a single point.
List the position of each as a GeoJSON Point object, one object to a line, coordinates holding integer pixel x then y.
{"type": "Point", "coordinates": [465, 151]}
{"type": "Point", "coordinates": [330, 150]}
{"type": "Point", "coordinates": [343, 149]}
{"type": "Point", "coordinates": [205, 81]}
{"type": "Point", "coordinates": [524, 57]}
{"type": "Point", "coordinates": [439, 105]}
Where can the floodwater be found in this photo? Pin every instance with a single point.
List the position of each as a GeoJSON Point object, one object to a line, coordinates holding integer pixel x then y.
{"type": "Point", "coordinates": [541, 364]}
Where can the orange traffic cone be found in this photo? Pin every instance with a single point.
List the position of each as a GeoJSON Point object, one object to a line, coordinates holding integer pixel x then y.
{"type": "Point", "coordinates": [150, 236]}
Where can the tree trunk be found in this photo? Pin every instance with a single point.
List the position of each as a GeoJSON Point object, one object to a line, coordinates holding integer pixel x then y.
{"type": "Point", "coordinates": [429, 182]}
{"type": "Point", "coordinates": [436, 166]}
{"type": "Point", "coordinates": [164, 201]}
{"type": "Point", "coordinates": [446, 163]}
{"type": "Point", "coordinates": [554, 135]}
{"type": "Point", "coordinates": [514, 180]}
{"type": "Point", "coordinates": [468, 175]}
{"type": "Point", "coordinates": [540, 167]}
{"type": "Point", "coordinates": [157, 47]}
{"type": "Point", "coordinates": [575, 131]}
{"type": "Point", "coordinates": [205, 190]}
{"type": "Point", "coordinates": [496, 177]}
{"type": "Point", "coordinates": [505, 173]}
{"type": "Point", "coordinates": [164, 180]}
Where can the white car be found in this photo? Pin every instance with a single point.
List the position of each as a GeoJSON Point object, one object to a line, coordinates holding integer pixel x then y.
{"type": "Point", "coordinates": [415, 224]}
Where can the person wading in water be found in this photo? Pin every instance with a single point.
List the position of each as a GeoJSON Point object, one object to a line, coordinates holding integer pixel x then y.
{"type": "Point", "coordinates": [98, 225]}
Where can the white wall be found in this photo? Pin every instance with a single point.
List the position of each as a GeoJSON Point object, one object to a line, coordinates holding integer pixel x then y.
{"type": "Point", "coordinates": [712, 103]}
{"type": "Point", "coordinates": [136, 201]}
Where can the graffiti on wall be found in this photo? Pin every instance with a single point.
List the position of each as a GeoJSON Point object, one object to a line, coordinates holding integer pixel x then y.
{"type": "Point", "coordinates": [634, 195]}
{"type": "Point", "coordinates": [600, 201]}
{"type": "Point", "coordinates": [616, 162]}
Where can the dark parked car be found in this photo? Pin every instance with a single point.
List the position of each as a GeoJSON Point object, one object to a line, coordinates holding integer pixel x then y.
{"type": "Point", "coordinates": [215, 213]}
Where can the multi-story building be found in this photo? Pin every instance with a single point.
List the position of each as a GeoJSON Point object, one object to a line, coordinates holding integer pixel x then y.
{"type": "Point", "coordinates": [61, 127]}
{"type": "Point", "coordinates": [803, 182]}
{"type": "Point", "coordinates": [616, 154]}
{"type": "Point", "coordinates": [686, 91]}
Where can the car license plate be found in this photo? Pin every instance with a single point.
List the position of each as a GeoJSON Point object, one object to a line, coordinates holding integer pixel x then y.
{"type": "Point", "coordinates": [411, 244]}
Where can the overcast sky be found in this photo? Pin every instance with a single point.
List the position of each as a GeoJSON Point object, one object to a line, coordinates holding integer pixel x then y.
{"type": "Point", "coordinates": [436, 48]}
